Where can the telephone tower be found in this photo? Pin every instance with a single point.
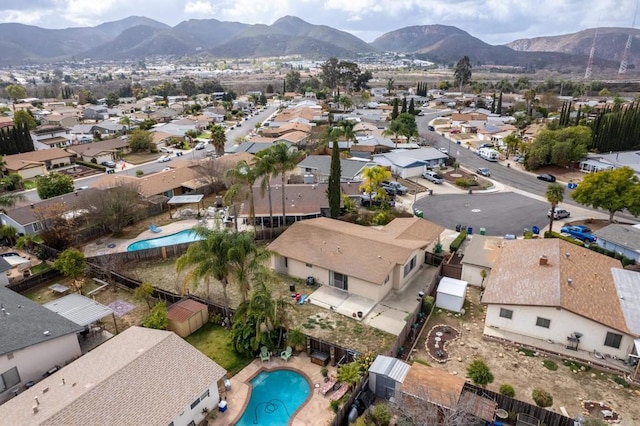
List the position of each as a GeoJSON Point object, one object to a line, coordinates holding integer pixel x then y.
{"type": "Point", "coordinates": [625, 54]}
{"type": "Point", "coordinates": [587, 73]}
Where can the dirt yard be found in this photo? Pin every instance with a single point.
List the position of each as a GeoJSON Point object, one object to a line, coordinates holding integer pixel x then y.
{"type": "Point", "coordinates": [524, 372]}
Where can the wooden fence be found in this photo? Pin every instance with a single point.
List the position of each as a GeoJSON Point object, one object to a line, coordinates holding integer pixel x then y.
{"type": "Point", "coordinates": [34, 281]}
{"type": "Point", "coordinates": [342, 415]}
{"type": "Point", "coordinates": [511, 405]}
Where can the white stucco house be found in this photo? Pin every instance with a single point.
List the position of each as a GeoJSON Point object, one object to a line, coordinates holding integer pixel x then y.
{"type": "Point", "coordinates": [33, 341]}
{"type": "Point", "coordinates": [360, 260]}
{"type": "Point", "coordinates": [148, 377]}
{"type": "Point", "coordinates": [560, 297]}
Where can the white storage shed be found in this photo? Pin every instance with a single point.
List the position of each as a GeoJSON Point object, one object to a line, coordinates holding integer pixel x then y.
{"type": "Point", "coordinates": [450, 294]}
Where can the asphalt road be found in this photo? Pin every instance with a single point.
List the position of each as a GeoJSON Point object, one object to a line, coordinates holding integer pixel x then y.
{"type": "Point", "coordinates": [499, 213]}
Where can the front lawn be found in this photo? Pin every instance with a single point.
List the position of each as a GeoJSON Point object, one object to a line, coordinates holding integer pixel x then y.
{"type": "Point", "coordinates": [215, 342]}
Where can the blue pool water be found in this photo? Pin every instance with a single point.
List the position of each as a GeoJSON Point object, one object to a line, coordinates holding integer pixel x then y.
{"type": "Point", "coordinates": [275, 396]}
{"type": "Point", "coordinates": [185, 236]}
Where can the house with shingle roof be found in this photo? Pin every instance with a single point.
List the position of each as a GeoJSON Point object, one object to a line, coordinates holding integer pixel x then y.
{"type": "Point", "coordinates": [36, 163]}
{"type": "Point", "coordinates": [141, 376]}
{"type": "Point", "coordinates": [361, 260]}
{"type": "Point", "coordinates": [319, 166]}
{"type": "Point", "coordinates": [100, 151]}
{"type": "Point", "coordinates": [410, 163]}
{"type": "Point", "coordinates": [623, 239]}
{"type": "Point", "coordinates": [46, 137]}
{"type": "Point", "coordinates": [33, 341]}
{"type": "Point", "coordinates": [560, 297]}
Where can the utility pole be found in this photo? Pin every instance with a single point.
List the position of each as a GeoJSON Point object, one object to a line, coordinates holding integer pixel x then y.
{"type": "Point", "coordinates": [627, 47]}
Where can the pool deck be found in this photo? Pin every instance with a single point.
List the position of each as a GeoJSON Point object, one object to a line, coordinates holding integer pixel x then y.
{"type": "Point", "coordinates": [315, 412]}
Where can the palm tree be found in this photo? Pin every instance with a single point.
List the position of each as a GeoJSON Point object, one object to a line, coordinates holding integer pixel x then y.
{"type": "Point", "coordinates": [284, 161]}
{"type": "Point", "coordinates": [395, 129]}
{"type": "Point", "coordinates": [245, 175]}
{"type": "Point", "coordinates": [126, 121]}
{"type": "Point", "coordinates": [10, 200]}
{"type": "Point", "coordinates": [346, 126]}
{"type": "Point", "coordinates": [265, 169]}
{"type": "Point", "coordinates": [350, 373]}
{"type": "Point", "coordinates": [246, 262]}
{"type": "Point", "coordinates": [8, 232]}
{"type": "Point", "coordinates": [218, 139]}
{"type": "Point", "coordinates": [555, 195]}
{"type": "Point", "coordinates": [210, 260]}
{"type": "Point", "coordinates": [232, 197]}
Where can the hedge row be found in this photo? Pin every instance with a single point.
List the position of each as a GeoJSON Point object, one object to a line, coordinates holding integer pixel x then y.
{"type": "Point", "coordinates": [91, 165]}
{"type": "Point", "coordinates": [455, 244]}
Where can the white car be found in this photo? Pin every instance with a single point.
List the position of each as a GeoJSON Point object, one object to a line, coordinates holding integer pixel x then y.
{"type": "Point", "coordinates": [433, 177]}
{"type": "Point", "coordinates": [559, 213]}
{"type": "Point", "coordinates": [199, 146]}
{"type": "Point", "coordinates": [443, 149]}
{"type": "Point", "coordinates": [166, 150]}
{"type": "Point", "coordinates": [164, 159]}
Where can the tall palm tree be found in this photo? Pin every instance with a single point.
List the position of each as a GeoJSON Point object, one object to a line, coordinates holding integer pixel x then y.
{"type": "Point", "coordinates": [284, 161]}
{"type": "Point", "coordinates": [246, 262]}
{"type": "Point", "coordinates": [346, 127]}
{"type": "Point", "coordinates": [265, 169]}
{"type": "Point", "coordinates": [218, 139]}
{"type": "Point", "coordinates": [243, 174]}
{"type": "Point", "coordinates": [395, 129]}
{"type": "Point", "coordinates": [555, 195]}
{"type": "Point", "coordinates": [210, 260]}
{"type": "Point", "coordinates": [10, 200]}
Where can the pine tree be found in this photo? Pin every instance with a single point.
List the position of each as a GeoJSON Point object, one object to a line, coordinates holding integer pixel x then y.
{"type": "Point", "coordinates": [333, 190]}
{"type": "Point", "coordinates": [493, 104]}
{"type": "Point", "coordinates": [404, 106]}
{"type": "Point", "coordinates": [412, 108]}
{"type": "Point", "coordinates": [395, 112]}
{"type": "Point", "coordinates": [499, 106]}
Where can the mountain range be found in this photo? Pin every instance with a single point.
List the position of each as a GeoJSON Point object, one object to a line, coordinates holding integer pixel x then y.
{"type": "Point", "coordinates": [135, 38]}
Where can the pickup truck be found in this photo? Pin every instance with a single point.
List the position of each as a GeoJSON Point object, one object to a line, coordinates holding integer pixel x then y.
{"type": "Point", "coordinates": [365, 201]}
{"type": "Point", "coordinates": [579, 232]}
{"type": "Point", "coordinates": [398, 188]}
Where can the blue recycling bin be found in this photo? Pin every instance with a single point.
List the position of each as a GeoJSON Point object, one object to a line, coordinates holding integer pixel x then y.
{"type": "Point", "coordinates": [535, 230]}
{"type": "Point", "coordinates": [470, 231]}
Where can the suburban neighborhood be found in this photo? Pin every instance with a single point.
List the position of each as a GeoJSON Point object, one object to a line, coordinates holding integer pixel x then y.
{"type": "Point", "coordinates": [374, 242]}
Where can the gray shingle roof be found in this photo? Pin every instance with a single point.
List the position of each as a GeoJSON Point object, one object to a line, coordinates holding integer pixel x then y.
{"type": "Point", "coordinates": [24, 323]}
{"type": "Point", "coordinates": [622, 235]}
{"type": "Point", "coordinates": [4, 265]}
{"type": "Point", "coordinates": [321, 164]}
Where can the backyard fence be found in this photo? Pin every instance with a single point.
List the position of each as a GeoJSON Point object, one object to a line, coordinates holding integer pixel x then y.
{"type": "Point", "coordinates": [342, 415]}
{"type": "Point", "coordinates": [511, 405]}
{"type": "Point", "coordinates": [34, 281]}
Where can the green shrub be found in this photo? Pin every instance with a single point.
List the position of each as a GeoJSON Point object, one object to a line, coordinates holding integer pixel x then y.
{"type": "Point", "coordinates": [466, 183]}
{"type": "Point", "coordinates": [139, 172]}
{"type": "Point", "coordinates": [507, 390]}
{"type": "Point", "coordinates": [527, 352]}
{"type": "Point", "coordinates": [550, 364]}
{"type": "Point", "coordinates": [334, 405]}
{"type": "Point", "coordinates": [621, 381]}
{"type": "Point", "coordinates": [427, 304]}
{"type": "Point", "coordinates": [576, 366]}
{"type": "Point", "coordinates": [479, 373]}
{"type": "Point", "coordinates": [380, 415]}
{"type": "Point", "coordinates": [542, 398]}
{"type": "Point", "coordinates": [382, 218]}
{"type": "Point", "coordinates": [455, 244]}
{"type": "Point", "coordinates": [90, 165]}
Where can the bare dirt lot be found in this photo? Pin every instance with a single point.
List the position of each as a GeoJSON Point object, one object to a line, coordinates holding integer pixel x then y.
{"type": "Point", "coordinates": [523, 372]}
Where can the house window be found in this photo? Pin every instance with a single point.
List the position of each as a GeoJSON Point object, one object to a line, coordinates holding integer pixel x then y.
{"type": "Point", "coordinates": [506, 313]}
{"type": "Point", "coordinates": [204, 395]}
{"type": "Point", "coordinates": [37, 226]}
{"type": "Point", "coordinates": [339, 281]}
{"type": "Point", "coordinates": [613, 340]}
{"type": "Point", "coordinates": [543, 322]}
{"type": "Point", "coordinates": [409, 266]}
{"type": "Point", "coordinates": [195, 403]}
{"type": "Point", "coordinates": [308, 265]}
{"type": "Point", "coordinates": [286, 262]}
{"type": "Point", "coordinates": [9, 379]}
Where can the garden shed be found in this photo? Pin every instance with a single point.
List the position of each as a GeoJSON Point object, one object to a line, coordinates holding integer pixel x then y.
{"type": "Point", "coordinates": [450, 294]}
{"type": "Point", "coordinates": [187, 316]}
{"type": "Point", "coordinates": [386, 375]}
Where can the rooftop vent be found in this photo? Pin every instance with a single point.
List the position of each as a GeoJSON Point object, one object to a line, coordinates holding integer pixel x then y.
{"type": "Point", "coordinates": [569, 281]}
{"type": "Point", "coordinates": [567, 255]}
{"type": "Point", "coordinates": [47, 333]}
{"type": "Point", "coordinates": [543, 260]}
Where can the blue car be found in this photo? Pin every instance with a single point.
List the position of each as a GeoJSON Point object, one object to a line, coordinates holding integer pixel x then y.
{"type": "Point", "coordinates": [580, 232]}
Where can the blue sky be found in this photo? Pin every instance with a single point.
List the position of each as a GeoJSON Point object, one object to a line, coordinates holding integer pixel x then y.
{"type": "Point", "coordinates": [494, 21]}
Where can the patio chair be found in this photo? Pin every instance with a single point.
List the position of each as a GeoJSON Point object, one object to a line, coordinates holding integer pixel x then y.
{"type": "Point", "coordinates": [340, 392]}
{"type": "Point", "coordinates": [328, 386]}
{"type": "Point", "coordinates": [265, 355]}
{"type": "Point", "coordinates": [286, 354]}
{"type": "Point", "coordinates": [154, 228]}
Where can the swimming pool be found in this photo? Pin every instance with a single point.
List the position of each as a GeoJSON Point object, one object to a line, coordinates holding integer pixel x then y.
{"type": "Point", "coordinates": [275, 396]}
{"type": "Point", "coordinates": [186, 236]}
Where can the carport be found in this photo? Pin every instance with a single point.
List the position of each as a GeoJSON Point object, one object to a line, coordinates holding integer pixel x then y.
{"type": "Point", "coordinates": [186, 199]}
{"type": "Point", "coordinates": [81, 310]}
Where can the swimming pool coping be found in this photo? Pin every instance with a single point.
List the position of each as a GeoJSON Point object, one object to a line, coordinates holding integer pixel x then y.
{"type": "Point", "coordinates": [270, 369]}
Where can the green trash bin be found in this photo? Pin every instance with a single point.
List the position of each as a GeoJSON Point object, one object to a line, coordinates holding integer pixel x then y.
{"type": "Point", "coordinates": [418, 213]}
{"type": "Point", "coordinates": [483, 231]}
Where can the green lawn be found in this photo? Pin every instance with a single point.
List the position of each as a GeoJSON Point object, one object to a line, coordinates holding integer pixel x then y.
{"type": "Point", "coordinates": [29, 184]}
{"type": "Point", "coordinates": [214, 341]}
{"type": "Point", "coordinates": [41, 267]}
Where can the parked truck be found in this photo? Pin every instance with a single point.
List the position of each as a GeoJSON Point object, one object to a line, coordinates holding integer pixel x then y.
{"type": "Point", "coordinates": [489, 154]}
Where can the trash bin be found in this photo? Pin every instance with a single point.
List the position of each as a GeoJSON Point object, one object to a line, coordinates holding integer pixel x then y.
{"type": "Point", "coordinates": [458, 227]}
{"type": "Point", "coordinates": [483, 231]}
{"type": "Point", "coordinates": [418, 213]}
{"type": "Point", "coordinates": [431, 192]}
{"type": "Point", "coordinates": [470, 231]}
{"type": "Point", "coordinates": [222, 406]}
{"type": "Point", "coordinates": [227, 384]}
{"type": "Point", "coordinates": [292, 288]}
{"type": "Point", "coordinates": [470, 191]}
{"type": "Point", "coordinates": [535, 230]}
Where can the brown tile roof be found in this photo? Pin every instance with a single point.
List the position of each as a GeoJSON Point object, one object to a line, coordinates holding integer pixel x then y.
{"type": "Point", "coordinates": [469, 117]}
{"type": "Point", "coordinates": [95, 148]}
{"type": "Point", "coordinates": [153, 184]}
{"type": "Point", "coordinates": [26, 159]}
{"type": "Point", "coordinates": [287, 128]}
{"type": "Point", "coordinates": [149, 377]}
{"type": "Point", "coordinates": [25, 214]}
{"type": "Point", "coordinates": [54, 140]}
{"type": "Point", "coordinates": [160, 136]}
{"type": "Point", "coordinates": [365, 252]}
{"type": "Point", "coordinates": [518, 279]}
{"type": "Point", "coordinates": [294, 137]}
{"type": "Point", "coordinates": [184, 309]}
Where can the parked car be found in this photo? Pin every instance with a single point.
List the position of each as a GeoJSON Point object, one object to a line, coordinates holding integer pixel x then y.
{"type": "Point", "coordinates": [400, 189]}
{"type": "Point", "coordinates": [431, 128]}
{"type": "Point", "coordinates": [166, 150]}
{"type": "Point", "coordinates": [389, 190]}
{"type": "Point", "coordinates": [199, 146]}
{"type": "Point", "coordinates": [547, 177]}
{"type": "Point", "coordinates": [559, 213]}
{"type": "Point", "coordinates": [210, 153]}
{"type": "Point", "coordinates": [433, 177]}
{"type": "Point", "coordinates": [365, 200]}
{"type": "Point", "coordinates": [443, 149]}
{"type": "Point", "coordinates": [484, 171]}
{"type": "Point", "coordinates": [164, 159]}
{"type": "Point", "coordinates": [109, 164]}
{"type": "Point", "coordinates": [579, 233]}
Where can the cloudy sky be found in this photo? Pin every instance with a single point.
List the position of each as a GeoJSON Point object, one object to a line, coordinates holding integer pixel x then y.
{"type": "Point", "coordinates": [494, 21]}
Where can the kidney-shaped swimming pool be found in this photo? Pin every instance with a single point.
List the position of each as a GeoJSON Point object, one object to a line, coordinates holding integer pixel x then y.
{"type": "Point", "coordinates": [275, 396]}
{"type": "Point", "coordinates": [186, 236]}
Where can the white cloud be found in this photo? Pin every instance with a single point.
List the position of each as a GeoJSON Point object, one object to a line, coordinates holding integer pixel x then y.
{"type": "Point", "coordinates": [27, 17]}
{"type": "Point", "coordinates": [200, 7]}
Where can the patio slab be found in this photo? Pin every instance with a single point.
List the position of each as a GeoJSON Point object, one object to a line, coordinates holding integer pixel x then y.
{"type": "Point", "coordinates": [342, 302]}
